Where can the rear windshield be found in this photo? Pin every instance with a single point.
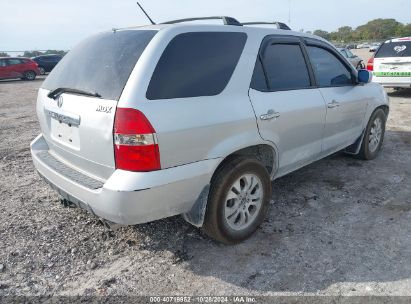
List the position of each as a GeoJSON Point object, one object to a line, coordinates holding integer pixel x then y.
{"type": "Point", "coordinates": [395, 49]}
{"type": "Point", "coordinates": [100, 64]}
{"type": "Point", "coordinates": [196, 64]}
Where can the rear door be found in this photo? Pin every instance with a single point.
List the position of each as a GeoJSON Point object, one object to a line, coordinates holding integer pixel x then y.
{"type": "Point", "coordinates": [290, 110]}
{"type": "Point", "coordinates": [77, 103]}
{"type": "Point", "coordinates": [392, 61]}
{"type": "Point", "coordinates": [346, 101]}
{"type": "Point", "coordinates": [4, 72]}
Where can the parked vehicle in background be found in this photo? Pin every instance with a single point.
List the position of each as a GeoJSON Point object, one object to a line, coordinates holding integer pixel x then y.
{"type": "Point", "coordinates": [23, 68]}
{"type": "Point", "coordinates": [356, 61]}
{"type": "Point", "coordinates": [351, 46]}
{"type": "Point", "coordinates": [365, 45]}
{"type": "Point", "coordinates": [374, 47]}
{"type": "Point", "coordinates": [197, 120]}
{"type": "Point", "coordinates": [391, 64]}
{"type": "Point", "coordinates": [47, 62]}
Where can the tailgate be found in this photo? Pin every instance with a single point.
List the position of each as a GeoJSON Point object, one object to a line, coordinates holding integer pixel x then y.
{"type": "Point", "coordinates": [393, 58]}
{"type": "Point", "coordinates": [77, 117]}
{"type": "Point", "coordinates": [79, 131]}
{"type": "Point", "coordinates": [392, 67]}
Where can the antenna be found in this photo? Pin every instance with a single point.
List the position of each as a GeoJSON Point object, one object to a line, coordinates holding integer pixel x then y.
{"type": "Point", "coordinates": [152, 22]}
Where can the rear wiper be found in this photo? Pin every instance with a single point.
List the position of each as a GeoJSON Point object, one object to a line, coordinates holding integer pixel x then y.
{"type": "Point", "coordinates": [57, 92]}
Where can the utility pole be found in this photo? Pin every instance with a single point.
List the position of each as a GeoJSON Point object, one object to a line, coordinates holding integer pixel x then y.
{"type": "Point", "coordinates": [289, 12]}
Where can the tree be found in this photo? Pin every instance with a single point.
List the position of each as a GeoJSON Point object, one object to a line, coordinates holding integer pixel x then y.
{"type": "Point", "coordinates": [3, 54]}
{"type": "Point", "coordinates": [379, 29]}
{"type": "Point", "coordinates": [374, 30]}
{"type": "Point", "coordinates": [38, 53]}
{"type": "Point", "coordinates": [32, 54]}
{"type": "Point", "coordinates": [322, 34]}
{"type": "Point", "coordinates": [406, 30]}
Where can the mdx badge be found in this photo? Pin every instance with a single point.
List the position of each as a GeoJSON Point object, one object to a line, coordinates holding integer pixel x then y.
{"type": "Point", "coordinates": [104, 109]}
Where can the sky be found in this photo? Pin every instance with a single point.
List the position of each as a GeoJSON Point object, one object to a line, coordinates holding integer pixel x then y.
{"type": "Point", "coordinates": [61, 24]}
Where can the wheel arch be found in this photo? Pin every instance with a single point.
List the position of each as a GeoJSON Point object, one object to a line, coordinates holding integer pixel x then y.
{"type": "Point", "coordinates": [265, 153]}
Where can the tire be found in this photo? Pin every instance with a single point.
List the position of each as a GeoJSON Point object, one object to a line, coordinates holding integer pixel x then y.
{"type": "Point", "coordinates": [30, 75]}
{"type": "Point", "coordinates": [42, 71]}
{"type": "Point", "coordinates": [374, 136]}
{"type": "Point", "coordinates": [232, 220]}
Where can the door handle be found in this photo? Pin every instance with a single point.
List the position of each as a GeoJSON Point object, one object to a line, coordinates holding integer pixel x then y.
{"type": "Point", "coordinates": [333, 104]}
{"type": "Point", "coordinates": [271, 114]}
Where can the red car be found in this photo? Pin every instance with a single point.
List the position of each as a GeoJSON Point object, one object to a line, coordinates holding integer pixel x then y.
{"type": "Point", "coordinates": [23, 68]}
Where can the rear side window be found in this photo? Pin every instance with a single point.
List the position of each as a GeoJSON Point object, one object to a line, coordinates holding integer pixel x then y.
{"type": "Point", "coordinates": [196, 64]}
{"type": "Point", "coordinates": [395, 49]}
{"type": "Point", "coordinates": [101, 64]}
{"type": "Point", "coordinates": [14, 61]}
{"type": "Point", "coordinates": [285, 67]}
{"type": "Point", "coordinates": [328, 69]}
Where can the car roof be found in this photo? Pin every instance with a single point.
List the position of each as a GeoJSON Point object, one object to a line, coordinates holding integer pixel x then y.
{"type": "Point", "coordinates": [249, 29]}
{"type": "Point", "coordinates": [398, 39]}
{"type": "Point", "coordinates": [47, 55]}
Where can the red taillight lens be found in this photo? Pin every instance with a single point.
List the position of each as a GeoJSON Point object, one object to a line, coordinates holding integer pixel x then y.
{"type": "Point", "coordinates": [135, 144]}
{"type": "Point", "coordinates": [370, 64]}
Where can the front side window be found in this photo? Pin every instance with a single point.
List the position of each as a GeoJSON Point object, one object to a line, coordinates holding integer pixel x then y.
{"type": "Point", "coordinates": [285, 67]}
{"type": "Point", "coordinates": [349, 54]}
{"type": "Point", "coordinates": [196, 64]}
{"type": "Point", "coordinates": [3, 63]}
{"type": "Point", "coordinates": [344, 53]}
{"type": "Point", "coordinates": [328, 69]}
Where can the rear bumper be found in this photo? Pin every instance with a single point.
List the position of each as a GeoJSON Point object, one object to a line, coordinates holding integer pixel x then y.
{"type": "Point", "coordinates": [128, 198]}
{"type": "Point", "coordinates": [393, 82]}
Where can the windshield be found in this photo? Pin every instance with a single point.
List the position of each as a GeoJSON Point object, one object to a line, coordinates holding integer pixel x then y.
{"type": "Point", "coordinates": [101, 64]}
{"type": "Point", "coordinates": [395, 49]}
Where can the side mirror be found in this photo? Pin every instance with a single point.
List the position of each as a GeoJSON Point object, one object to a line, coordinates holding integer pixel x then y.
{"type": "Point", "coordinates": [364, 76]}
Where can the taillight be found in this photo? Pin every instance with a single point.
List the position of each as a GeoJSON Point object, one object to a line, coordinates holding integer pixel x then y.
{"type": "Point", "coordinates": [135, 142]}
{"type": "Point", "coordinates": [370, 64]}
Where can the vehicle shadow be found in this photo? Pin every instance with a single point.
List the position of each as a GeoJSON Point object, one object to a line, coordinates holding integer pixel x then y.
{"type": "Point", "coordinates": [339, 220]}
{"type": "Point", "coordinates": [406, 93]}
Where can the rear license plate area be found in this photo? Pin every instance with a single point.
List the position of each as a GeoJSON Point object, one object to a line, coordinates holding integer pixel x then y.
{"type": "Point", "coordinates": [65, 133]}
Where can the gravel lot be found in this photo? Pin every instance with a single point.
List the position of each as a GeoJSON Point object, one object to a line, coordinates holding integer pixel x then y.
{"type": "Point", "coordinates": [338, 227]}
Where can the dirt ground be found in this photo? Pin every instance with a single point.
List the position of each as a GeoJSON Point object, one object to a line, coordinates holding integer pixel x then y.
{"type": "Point", "coordinates": [340, 226]}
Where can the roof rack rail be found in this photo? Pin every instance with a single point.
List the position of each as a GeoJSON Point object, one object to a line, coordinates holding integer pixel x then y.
{"type": "Point", "coordinates": [226, 20]}
{"type": "Point", "coordinates": [280, 25]}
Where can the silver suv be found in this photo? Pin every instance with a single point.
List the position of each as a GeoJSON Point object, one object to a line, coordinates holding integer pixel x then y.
{"type": "Point", "coordinates": [144, 123]}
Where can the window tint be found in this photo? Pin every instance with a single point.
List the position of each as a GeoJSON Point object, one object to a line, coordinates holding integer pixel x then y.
{"type": "Point", "coordinates": [329, 70]}
{"type": "Point", "coordinates": [101, 64]}
{"type": "Point", "coordinates": [285, 67]}
{"type": "Point", "coordinates": [3, 63]}
{"type": "Point", "coordinates": [259, 81]}
{"type": "Point", "coordinates": [196, 64]}
{"type": "Point", "coordinates": [344, 53]}
{"type": "Point", "coordinates": [395, 49]}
